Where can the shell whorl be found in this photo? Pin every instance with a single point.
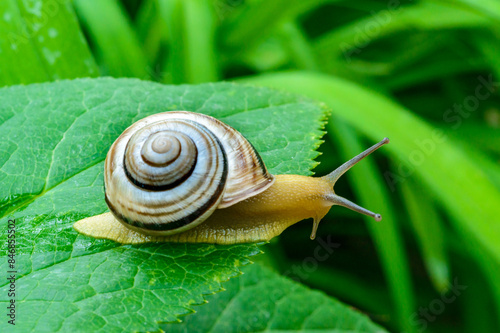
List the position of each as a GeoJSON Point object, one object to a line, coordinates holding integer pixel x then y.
{"type": "Point", "coordinates": [168, 172]}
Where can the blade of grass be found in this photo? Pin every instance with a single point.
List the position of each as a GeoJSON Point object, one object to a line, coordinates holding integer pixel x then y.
{"type": "Point", "coordinates": [151, 29]}
{"type": "Point", "coordinates": [192, 54]}
{"type": "Point", "coordinates": [361, 294]}
{"type": "Point", "coordinates": [115, 44]}
{"type": "Point", "coordinates": [259, 18]}
{"type": "Point", "coordinates": [471, 257]}
{"type": "Point", "coordinates": [171, 13]}
{"type": "Point", "coordinates": [201, 63]}
{"type": "Point", "coordinates": [476, 139]}
{"type": "Point", "coordinates": [428, 232]}
{"type": "Point", "coordinates": [479, 135]}
{"type": "Point", "coordinates": [369, 187]}
{"type": "Point", "coordinates": [41, 41]}
{"type": "Point", "coordinates": [487, 43]}
{"type": "Point", "coordinates": [492, 274]}
{"type": "Point", "coordinates": [478, 308]}
{"type": "Point", "coordinates": [416, 51]}
{"type": "Point", "coordinates": [298, 46]}
{"type": "Point", "coordinates": [459, 183]}
{"type": "Point", "coordinates": [352, 38]}
{"type": "Point", "coordinates": [430, 69]}
{"type": "Point", "coordinates": [489, 8]}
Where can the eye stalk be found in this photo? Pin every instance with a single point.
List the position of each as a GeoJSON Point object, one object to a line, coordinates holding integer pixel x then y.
{"type": "Point", "coordinates": [341, 201]}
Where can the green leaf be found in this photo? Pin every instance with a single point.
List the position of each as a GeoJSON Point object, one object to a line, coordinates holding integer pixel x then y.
{"type": "Point", "coordinates": [429, 232]}
{"type": "Point", "coordinates": [55, 137]}
{"type": "Point", "coordinates": [41, 41]}
{"type": "Point", "coordinates": [263, 301]}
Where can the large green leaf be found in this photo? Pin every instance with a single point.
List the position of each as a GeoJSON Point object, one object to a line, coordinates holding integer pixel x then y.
{"type": "Point", "coordinates": [55, 137]}
{"type": "Point", "coordinates": [263, 301]}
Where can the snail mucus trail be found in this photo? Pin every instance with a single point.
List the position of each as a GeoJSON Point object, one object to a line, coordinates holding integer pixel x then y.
{"type": "Point", "coordinates": [220, 192]}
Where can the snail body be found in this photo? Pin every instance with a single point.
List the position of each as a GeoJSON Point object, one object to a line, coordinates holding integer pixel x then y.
{"type": "Point", "coordinates": [185, 177]}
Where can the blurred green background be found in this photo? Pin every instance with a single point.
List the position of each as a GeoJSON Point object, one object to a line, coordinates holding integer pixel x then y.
{"type": "Point", "coordinates": [423, 73]}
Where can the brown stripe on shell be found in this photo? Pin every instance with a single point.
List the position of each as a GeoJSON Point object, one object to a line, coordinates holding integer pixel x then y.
{"type": "Point", "coordinates": [171, 225]}
{"type": "Point", "coordinates": [159, 188]}
{"type": "Point", "coordinates": [182, 198]}
{"type": "Point", "coordinates": [242, 168]}
{"type": "Point", "coordinates": [139, 215]}
{"type": "Point", "coordinates": [149, 175]}
{"type": "Point", "coordinates": [246, 177]}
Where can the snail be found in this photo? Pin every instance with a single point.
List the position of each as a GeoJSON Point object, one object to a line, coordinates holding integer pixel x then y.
{"type": "Point", "coordinates": [186, 177]}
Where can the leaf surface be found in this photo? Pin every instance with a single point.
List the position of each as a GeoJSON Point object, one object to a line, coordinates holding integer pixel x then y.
{"type": "Point", "coordinates": [263, 301]}
{"type": "Point", "coordinates": [55, 137]}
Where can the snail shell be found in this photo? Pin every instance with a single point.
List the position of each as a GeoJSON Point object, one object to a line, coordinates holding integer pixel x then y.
{"type": "Point", "coordinates": [168, 172]}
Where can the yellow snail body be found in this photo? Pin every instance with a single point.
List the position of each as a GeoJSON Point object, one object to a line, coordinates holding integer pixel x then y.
{"type": "Point", "coordinates": [186, 177]}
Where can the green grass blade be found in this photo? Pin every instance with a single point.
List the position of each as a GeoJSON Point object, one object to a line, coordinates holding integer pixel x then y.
{"type": "Point", "coordinates": [428, 232]}
{"type": "Point", "coordinates": [461, 186]}
{"type": "Point", "coordinates": [431, 69]}
{"type": "Point", "coordinates": [201, 63]}
{"type": "Point", "coordinates": [371, 190]}
{"type": "Point", "coordinates": [116, 46]}
{"type": "Point", "coordinates": [350, 39]}
{"type": "Point", "coordinates": [481, 283]}
{"type": "Point", "coordinates": [492, 272]}
{"type": "Point", "coordinates": [151, 29]}
{"type": "Point", "coordinates": [480, 136]}
{"type": "Point", "coordinates": [487, 43]}
{"type": "Point", "coordinates": [489, 8]}
{"type": "Point", "coordinates": [259, 18]}
{"type": "Point", "coordinates": [360, 293]}
{"type": "Point", "coordinates": [477, 140]}
{"type": "Point", "coordinates": [298, 46]}
{"type": "Point", "coordinates": [171, 12]}
{"type": "Point", "coordinates": [479, 312]}
{"type": "Point", "coordinates": [192, 55]}
{"type": "Point", "coordinates": [41, 41]}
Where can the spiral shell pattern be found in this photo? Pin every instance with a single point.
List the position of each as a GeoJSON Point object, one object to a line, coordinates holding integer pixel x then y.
{"type": "Point", "coordinates": [168, 172]}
